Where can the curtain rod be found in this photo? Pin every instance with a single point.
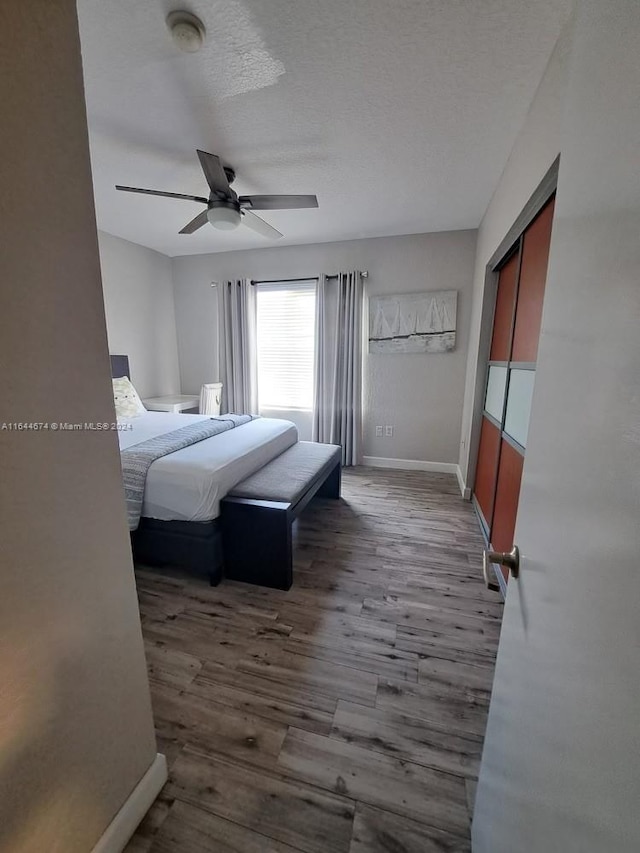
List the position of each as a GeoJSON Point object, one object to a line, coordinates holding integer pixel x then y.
{"type": "Point", "coordinates": [364, 274]}
{"type": "Point", "coordinates": [282, 280]}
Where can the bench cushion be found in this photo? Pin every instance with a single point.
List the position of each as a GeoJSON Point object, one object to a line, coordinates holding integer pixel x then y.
{"type": "Point", "coordinates": [287, 477]}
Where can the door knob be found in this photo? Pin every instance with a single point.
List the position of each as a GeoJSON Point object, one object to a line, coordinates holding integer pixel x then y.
{"type": "Point", "coordinates": [510, 559]}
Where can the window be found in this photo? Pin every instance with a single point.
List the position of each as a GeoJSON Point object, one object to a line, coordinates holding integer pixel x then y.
{"type": "Point", "coordinates": [286, 346]}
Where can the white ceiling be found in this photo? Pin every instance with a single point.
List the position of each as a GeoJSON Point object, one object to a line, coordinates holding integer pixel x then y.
{"type": "Point", "coordinates": [398, 114]}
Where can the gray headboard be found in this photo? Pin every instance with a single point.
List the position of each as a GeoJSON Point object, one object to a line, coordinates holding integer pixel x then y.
{"type": "Point", "coordinates": [120, 366]}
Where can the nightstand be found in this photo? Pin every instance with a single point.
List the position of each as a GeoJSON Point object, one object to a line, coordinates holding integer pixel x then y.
{"type": "Point", "coordinates": [176, 403]}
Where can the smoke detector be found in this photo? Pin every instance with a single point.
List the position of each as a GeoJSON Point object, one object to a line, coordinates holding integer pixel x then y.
{"type": "Point", "coordinates": [187, 31]}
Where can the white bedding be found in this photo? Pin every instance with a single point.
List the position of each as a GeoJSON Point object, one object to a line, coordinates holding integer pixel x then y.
{"type": "Point", "coordinates": [189, 484]}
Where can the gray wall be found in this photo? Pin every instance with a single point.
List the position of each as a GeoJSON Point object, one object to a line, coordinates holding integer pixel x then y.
{"type": "Point", "coordinates": [76, 732]}
{"type": "Point", "coordinates": [536, 148]}
{"type": "Point", "coordinates": [560, 764]}
{"type": "Point", "coordinates": [138, 301]}
{"type": "Point", "coordinates": [420, 395]}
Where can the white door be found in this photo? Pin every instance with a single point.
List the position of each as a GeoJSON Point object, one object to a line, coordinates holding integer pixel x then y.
{"type": "Point", "coordinates": [561, 764]}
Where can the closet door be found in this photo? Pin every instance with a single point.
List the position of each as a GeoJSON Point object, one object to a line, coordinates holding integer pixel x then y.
{"type": "Point", "coordinates": [496, 390]}
{"type": "Point", "coordinates": [510, 381]}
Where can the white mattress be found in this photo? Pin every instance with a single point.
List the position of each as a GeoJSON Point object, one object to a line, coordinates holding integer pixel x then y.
{"type": "Point", "coordinates": [189, 484]}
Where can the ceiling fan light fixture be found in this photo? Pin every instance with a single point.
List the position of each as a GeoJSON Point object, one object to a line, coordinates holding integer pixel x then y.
{"type": "Point", "coordinates": [225, 210]}
{"type": "Point", "coordinates": [187, 31]}
{"type": "Point", "coordinates": [224, 217]}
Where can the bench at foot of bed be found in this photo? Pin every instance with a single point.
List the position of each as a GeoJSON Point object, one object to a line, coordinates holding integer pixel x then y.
{"type": "Point", "coordinates": [258, 513]}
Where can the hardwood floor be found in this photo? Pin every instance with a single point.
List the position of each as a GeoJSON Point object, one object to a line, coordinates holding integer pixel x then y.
{"type": "Point", "coordinates": [344, 715]}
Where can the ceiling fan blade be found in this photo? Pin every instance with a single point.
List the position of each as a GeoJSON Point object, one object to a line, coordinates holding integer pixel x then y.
{"type": "Point", "coordinates": [256, 224]}
{"type": "Point", "coordinates": [197, 222]}
{"type": "Point", "coordinates": [165, 195]}
{"type": "Point", "coordinates": [278, 202]}
{"type": "Point", "coordinates": [214, 173]}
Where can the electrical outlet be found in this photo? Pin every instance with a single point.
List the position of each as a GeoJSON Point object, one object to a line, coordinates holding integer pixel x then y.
{"type": "Point", "coordinates": [388, 430]}
{"type": "Point", "coordinates": [378, 431]}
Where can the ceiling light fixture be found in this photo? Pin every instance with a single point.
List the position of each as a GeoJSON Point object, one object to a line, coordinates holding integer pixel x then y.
{"type": "Point", "coordinates": [187, 31]}
{"type": "Point", "coordinates": [225, 216]}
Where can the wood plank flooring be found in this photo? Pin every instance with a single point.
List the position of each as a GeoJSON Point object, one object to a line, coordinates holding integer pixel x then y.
{"type": "Point", "coordinates": [344, 716]}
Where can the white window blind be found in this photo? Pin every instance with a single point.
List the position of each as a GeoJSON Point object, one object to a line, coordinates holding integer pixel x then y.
{"type": "Point", "coordinates": [286, 347]}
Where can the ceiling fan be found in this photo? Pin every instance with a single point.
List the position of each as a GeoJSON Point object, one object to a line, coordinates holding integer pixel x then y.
{"type": "Point", "coordinates": [225, 209]}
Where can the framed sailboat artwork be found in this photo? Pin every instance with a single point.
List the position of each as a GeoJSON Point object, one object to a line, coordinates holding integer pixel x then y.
{"type": "Point", "coordinates": [413, 322]}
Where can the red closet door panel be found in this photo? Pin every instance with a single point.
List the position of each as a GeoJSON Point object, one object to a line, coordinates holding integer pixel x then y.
{"type": "Point", "coordinates": [503, 318]}
{"type": "Point", "coordinates": [487, 468]}
{"type": "Point", "coordinates": [506, 503]}
{"type": "Point", "coordinates": [533, 276]}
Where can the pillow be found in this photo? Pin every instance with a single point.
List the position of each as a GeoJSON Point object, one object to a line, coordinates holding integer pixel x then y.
{"type": "Point", "coordinates": [125, 396]}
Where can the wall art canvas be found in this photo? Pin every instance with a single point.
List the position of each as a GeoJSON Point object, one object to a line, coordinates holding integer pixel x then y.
{"type": "Point", "coordinates": [413, 322]}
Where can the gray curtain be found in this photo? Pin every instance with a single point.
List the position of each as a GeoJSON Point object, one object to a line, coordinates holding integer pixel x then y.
{"type": "Point", "coordinates": [337, 411]}
{"type": "Point", "coordinates": [237, 347]}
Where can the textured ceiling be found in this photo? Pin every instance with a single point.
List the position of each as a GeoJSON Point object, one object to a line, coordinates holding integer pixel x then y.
{"type": "Point", "coordinates": [398, 114]}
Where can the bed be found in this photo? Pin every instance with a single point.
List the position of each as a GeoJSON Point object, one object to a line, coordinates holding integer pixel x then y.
{"type": "Point", "coordinates": [181, 505]}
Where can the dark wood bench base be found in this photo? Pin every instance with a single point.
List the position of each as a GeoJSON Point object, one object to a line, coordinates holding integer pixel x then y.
{"type": "Point", "coordinates": [256, 534]}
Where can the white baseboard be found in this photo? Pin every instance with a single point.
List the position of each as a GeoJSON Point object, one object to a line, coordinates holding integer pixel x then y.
{"type": "Point", "coordinates": [464, 491]}
{"type": "Point", "coordinates": [410, 464]}
{"type": "Point", "coordinates": [117, 834]}
{"type": "Point", "coordinates": [420, 465]}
